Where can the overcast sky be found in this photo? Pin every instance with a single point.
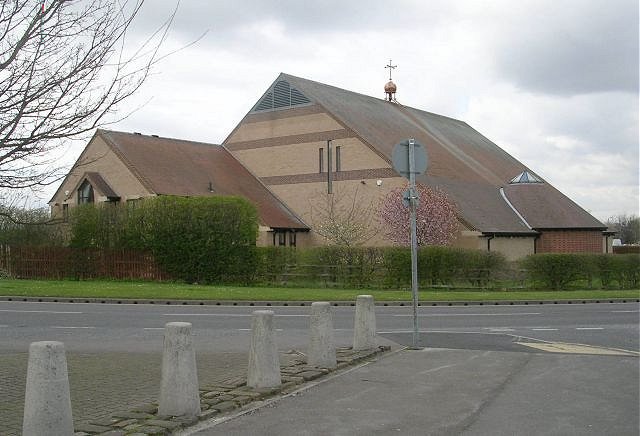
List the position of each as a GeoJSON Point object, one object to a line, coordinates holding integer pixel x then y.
{"type": "Point", "coordinates": [554, 83]}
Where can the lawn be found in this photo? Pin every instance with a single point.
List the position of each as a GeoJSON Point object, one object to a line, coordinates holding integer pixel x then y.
{"type": "Point", "coordinates": [178, 291]}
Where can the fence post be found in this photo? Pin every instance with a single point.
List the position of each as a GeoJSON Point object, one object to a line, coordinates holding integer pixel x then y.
{"type": "Point", "coordinates": [322, 352]}
{"type": "Point", "coordinates": [179, 394]}
{"type": "Point", "coordinates": [47, 402]}
{"type": "Point", "coordinates": [364, 335]}
{"type": "Point", "coordinates": [264, 362]}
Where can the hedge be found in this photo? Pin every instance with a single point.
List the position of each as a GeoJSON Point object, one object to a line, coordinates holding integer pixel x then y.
{"type": "Point", "coordinates": [193, 239]}
{"type": "Point", "coordinates": [561, 271]}
{"type": "Point", "coordinates": [376, 267]}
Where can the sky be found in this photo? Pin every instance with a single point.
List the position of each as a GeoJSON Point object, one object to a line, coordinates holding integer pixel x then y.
{"type": "Point", "coordinates": [554, 83]}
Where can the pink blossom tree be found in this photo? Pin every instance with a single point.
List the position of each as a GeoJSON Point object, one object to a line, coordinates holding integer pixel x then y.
{"type": "Point", "coordinates": [436, 221]}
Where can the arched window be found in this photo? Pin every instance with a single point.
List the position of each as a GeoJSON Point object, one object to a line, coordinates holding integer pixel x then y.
{"type": "Point", "coordinates": [85, 193]}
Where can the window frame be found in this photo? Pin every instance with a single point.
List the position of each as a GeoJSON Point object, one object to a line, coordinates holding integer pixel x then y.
{"type": "Point", "coordinates": [86, 193]}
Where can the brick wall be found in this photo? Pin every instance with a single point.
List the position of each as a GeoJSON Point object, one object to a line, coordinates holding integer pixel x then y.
{"type": "Point", "coordinates": [569, 241]}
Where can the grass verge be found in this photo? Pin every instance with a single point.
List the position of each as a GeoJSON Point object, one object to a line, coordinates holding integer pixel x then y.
{"type": "Point", "coordinates": [178, 291]}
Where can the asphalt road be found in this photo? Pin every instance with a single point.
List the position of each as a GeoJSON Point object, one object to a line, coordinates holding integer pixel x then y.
{"type": "Point", "coordinates": [122, 327]}
{"type": "Point", "coordinates": [473, 379]}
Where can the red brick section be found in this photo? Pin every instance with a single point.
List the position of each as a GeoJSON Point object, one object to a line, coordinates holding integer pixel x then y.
{"type": "Point", "coordinates": [569, 241]}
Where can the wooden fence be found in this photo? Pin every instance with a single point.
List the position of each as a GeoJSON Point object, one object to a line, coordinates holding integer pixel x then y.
{"type": "Point", "coordinates": [77, 263]}
{"type": "Point", "coordinates": [626, 249]}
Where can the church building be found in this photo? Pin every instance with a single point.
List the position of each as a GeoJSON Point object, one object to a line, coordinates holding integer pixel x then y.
{"type": "Point", "coordinates": [304, 143]}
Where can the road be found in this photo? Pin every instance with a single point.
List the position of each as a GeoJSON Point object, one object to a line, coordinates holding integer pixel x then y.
{"type": "Point", "coordinates": [114, 356]}
{"type": "Point", "coordinates": [93, 327]}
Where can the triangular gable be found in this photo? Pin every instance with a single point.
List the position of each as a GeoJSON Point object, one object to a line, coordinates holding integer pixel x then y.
{"type": "Point", "coordinates": [280, 95]}
{"type": "Point", "coordinates": [98, 183]}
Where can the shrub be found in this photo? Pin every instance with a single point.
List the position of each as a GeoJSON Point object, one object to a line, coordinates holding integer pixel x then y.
{"type": "Point", "coordinates": [28, 227]}
{"type": "Point", "coordinates": [558, 271]}
{"type": "Point", "coordinates": [555, 271]}
{"type": "Point", "coordinates": [347, 266]}
{"type": "Point", "coordinates": [397, 267]}
{"type": "Point", "coordinates": [272, 262]}
{"type": "Point", "coordinates": [629, 270]}
{"type": "Point", "coordinates": [97, 226]}
{"type": "Point", "coordinates": [199, 239]}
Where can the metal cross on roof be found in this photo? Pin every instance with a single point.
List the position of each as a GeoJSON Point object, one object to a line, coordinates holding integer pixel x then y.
{"type": "Point", "coordinates": [391, 67]}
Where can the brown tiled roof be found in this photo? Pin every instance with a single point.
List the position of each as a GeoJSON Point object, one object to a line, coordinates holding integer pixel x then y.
{"type": "Point", "coordinates": [465, 164]}
{"type": "Point", "coordinates": [187, 168]}
{"type": "Point", "coordinates": [100, 184]}
{"type": "Point", "coordinates": [544, 207]}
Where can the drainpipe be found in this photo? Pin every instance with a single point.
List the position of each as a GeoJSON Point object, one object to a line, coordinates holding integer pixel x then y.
{"type": "Point", "coordinates": [489, 238]}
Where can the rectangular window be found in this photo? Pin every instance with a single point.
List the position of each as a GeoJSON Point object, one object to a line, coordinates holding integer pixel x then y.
{"type": "Point", "coordinates": [321, 160]}
{"type": "Point", "coordinates": [338, 147]}
{"type": "Point", "coordinates": [292, 239]}
{"type": "Point", "coordinates": [282, 238]}
{"type": "Point", "coordinates": [65, 212]}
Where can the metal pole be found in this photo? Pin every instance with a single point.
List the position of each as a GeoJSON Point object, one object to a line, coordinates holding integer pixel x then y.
{"type": "Point", "coordinates": [414, 239]}
{"type": "Point", "coordinates": [329, 186]}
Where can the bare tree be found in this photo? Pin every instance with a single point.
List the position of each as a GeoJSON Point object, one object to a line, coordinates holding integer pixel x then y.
{"type": "Point", "coordinates": [344, 218]}
{"type": "Point", "coordinates": [627, 228]}
{"type": "Point", "coordinates": [63, 68]}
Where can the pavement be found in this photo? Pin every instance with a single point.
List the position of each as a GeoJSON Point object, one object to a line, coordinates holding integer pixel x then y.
{"type": "Point", "coordinates": [105, 383]}
{"type": "Point", "coordinates": [437, 391]}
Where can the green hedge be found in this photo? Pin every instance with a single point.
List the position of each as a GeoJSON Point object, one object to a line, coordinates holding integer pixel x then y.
{"type": "Point", "coordinates": [195, 239]}
{"type": "Point", "coordinates": [200, 239]}
{"type": "Point", "coordinates": [375, 267]}
{"type": "Point", "coordinates": [561, 271]}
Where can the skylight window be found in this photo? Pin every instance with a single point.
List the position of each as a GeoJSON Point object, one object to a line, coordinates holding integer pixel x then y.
{"type": "Point", "coordinates": [525, 177]}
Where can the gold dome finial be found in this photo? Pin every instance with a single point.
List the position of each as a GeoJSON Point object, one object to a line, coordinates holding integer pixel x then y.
{"type": "Point", "coordinates": [390, 88]}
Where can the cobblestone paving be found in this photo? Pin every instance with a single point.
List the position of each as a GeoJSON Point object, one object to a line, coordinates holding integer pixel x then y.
{"type": "Point", "coordinates": [104, 383]}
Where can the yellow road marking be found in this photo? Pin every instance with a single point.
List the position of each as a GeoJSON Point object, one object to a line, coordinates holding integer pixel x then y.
{"type": "Point", "coordinates": [559, 347]}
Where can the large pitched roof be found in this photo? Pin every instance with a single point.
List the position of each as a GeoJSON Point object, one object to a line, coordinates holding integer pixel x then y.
{"type": "Point", "coordinates": [462, 162]}
{"type": "Point", "coordinates": [168, 166]}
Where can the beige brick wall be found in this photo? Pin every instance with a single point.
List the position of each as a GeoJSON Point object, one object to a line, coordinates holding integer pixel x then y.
{"type": "Point", "coordinates": [513, 248]}
{"type": "Point", "coordinates": [470, 239]}
{"type": "Point", "coordinates": [284, 127]}
{"type": "Point", "coordinates": [300, 198]}
{"type": "Point", "coordinates": [98, 157]}
{"type": "Point", "coordinates": [304, 158]}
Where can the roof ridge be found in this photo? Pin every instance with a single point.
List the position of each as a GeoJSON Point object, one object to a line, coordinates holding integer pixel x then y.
{"type": "Point", "coordinates": [367, 96]}
{"type": "Point", "coordinates": [119, 132]}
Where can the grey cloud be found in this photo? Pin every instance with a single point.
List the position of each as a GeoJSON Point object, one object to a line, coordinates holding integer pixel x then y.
{"type": "Point", "coordinates": [225, 18]}
{"type": "Point", "coordinates": [609, 121]}
{"type": "Point", "coordinates": [572, 47]}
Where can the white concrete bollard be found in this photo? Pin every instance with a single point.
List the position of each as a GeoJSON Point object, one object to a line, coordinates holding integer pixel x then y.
{"type": "Point", "coordinates": [179, 394]}
{"type": "Point", "coordinates": [47, 403]}
{"type": "Point", "coordinates": [322, 352]}
{"type": "Point", "coordinates": [364, 335]}
{"type": "Point", "coordinates": [264, 361]}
